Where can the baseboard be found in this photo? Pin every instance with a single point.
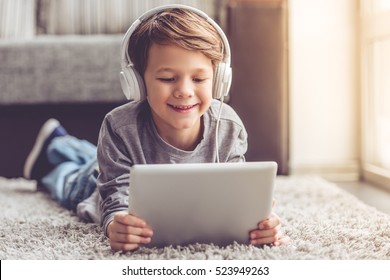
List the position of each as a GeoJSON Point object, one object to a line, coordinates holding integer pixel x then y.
{"type": "Point", "coordinates": [346, 171]}
{"type": "Point", "coordinates": [376, 175]}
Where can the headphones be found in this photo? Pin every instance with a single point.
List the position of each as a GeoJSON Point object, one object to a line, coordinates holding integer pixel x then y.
{"type": "Point", "coordinates": [132, 83]}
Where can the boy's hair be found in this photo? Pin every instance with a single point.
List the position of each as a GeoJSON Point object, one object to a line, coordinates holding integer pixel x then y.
{"type": "Point", "coordinates": [179, 27]}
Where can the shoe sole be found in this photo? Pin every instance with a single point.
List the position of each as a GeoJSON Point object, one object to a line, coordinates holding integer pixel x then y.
{"type": "Point", "coordinates": [48, 127]}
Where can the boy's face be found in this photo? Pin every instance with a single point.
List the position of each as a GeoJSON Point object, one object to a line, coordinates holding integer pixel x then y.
{"type": "Point", "coordinates": [179, 88]}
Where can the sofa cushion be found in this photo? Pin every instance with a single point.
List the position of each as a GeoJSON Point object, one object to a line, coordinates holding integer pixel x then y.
{"type": "Point", "coordinates": [100, 16]}
{"type": "Point", "coordinates": [53, 69]}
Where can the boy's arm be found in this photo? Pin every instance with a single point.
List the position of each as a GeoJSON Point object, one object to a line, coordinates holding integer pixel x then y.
{"type": "Point", "coordinates": [113, 180]}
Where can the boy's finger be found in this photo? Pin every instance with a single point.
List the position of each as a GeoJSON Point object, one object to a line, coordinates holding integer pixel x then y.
{"type": "Point", "coordinates": [145, 231]}
{"type": "Point", "coordinates": [282, 241]}
{"type": "Point", "coordinates": [271, 222]}
{"type": "Point", "coordinates": [129, 238]}
{"type": "Point", "coordinates": [129, 220]}
{"type": "Point", "coordinates": [261, 241]}
{"type": "Point", "coordinates": [265, 233]}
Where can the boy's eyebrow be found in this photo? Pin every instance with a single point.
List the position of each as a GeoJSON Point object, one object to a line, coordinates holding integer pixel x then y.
{"type": "Point", "coordinates": [168, 69]}
{"type": "Point", "coordinates": [164, 69]}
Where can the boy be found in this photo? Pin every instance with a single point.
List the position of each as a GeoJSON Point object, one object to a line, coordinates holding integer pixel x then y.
{"type": "Point", "coordinates": [176, 52]}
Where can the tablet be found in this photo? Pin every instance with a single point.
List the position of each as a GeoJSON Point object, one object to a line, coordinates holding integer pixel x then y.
{"type": "Point", "coordinates": [213, 203]}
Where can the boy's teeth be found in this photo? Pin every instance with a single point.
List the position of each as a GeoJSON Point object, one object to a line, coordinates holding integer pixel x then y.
{"type": "Point", "coordinates": [182, 107]}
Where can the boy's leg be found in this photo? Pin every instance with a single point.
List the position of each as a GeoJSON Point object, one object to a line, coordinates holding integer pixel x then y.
{"type": "Point", "coordinates": [56, 179]}
{"type": "Point", "coordinates": [65, 165]}
{"type": "Point", "coordinates": [70, 183]}
{"type": "Point", "coordinates": [74, 178]}
{"type": "Point", "coordinates": [70, 148]}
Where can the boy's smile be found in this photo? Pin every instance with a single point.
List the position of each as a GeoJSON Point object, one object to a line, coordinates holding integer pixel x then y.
{"type": "Point", "coordinates": [179, 91]}
{"type": "Point", "coordinates": [182, 108]}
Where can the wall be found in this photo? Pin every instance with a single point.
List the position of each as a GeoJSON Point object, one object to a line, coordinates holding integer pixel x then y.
{"type": "Point", "coordinates": [324, 93]}
{"type": "Point", "coordinates": [259, 91]}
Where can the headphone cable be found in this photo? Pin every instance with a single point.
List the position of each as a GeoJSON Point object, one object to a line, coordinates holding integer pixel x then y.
{"type": "Point", "coordinates": [217, 127]}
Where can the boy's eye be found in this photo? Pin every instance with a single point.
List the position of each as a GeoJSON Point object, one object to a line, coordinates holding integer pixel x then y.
{"type": "Point", "coordinates": [198, 80]}
{"type": "Point", "coordinates": [173, 79]}
{"type": "Point", "coordinates": [166, 79]}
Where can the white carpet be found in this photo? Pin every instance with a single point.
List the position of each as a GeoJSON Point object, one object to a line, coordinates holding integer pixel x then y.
{"type": "Point", "coordinates": [323, 222]}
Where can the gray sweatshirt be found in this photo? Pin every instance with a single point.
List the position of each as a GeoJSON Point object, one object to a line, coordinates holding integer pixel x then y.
{"type": "Point", "coordinates": [128, 136]}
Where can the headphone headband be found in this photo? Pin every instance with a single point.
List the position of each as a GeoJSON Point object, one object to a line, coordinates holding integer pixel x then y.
{"type": "Point", "coordinates": [132, 82]}
{"type": "Point", "coordinates": [125, 61]}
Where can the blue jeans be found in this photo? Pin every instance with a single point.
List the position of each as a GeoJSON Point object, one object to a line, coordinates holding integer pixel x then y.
{"type": "Point", "coordinates": [74, 177]}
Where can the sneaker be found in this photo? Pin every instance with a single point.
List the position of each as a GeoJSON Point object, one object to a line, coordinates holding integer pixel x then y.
{"type": "Point", "coordinates": [37, 165]}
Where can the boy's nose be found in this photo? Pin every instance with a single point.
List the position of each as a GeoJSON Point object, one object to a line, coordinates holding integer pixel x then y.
{"type": "Point", "coordinates": [184, 89]}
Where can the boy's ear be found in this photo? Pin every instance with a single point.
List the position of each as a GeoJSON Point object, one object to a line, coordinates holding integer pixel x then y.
{"type": "Point", "coordinates": [132, 83]}
{"type": "Point", "coordinates": [222, 80]}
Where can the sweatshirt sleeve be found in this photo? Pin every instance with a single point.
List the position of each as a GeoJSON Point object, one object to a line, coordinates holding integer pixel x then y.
{"type": "Point", "coordinates": [113, 180]}
{"type": "Point", "coordinates": [232, 133]}
{"type": "Point", "coordinates": [240, 146]}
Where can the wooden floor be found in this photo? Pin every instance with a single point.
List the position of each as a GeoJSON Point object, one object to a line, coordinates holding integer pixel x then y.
{"type": "Point", "coordinates": [370, 194]}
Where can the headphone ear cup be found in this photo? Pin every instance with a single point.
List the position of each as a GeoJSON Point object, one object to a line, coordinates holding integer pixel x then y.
{"type": "Point", "coordinates": [222, 80]}
{"type": "Point", "coordinates": [132, 83]}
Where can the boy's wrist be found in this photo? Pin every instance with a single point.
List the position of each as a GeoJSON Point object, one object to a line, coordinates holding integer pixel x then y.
{"type": "Point", "coordinates": [106, 225]}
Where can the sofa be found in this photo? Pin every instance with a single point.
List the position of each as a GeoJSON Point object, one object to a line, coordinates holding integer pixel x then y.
{"type": "Point", "coordinates": [71, 78]}
{"type": "Point", "coordinates": [61, 59]}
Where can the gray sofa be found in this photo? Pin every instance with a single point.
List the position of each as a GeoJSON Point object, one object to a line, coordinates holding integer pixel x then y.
{"type": "Point", "coordinates": [72, 78]}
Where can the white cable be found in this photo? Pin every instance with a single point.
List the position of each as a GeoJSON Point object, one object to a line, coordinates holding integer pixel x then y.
{"type": "Point", "coordinates": [217, 127]}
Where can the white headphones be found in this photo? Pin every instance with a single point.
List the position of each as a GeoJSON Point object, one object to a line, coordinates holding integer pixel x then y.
{"type": "Point", "coordinates": [132, 82]}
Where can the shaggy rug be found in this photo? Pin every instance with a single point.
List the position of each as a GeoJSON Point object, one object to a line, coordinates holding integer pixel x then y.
{"type": "Point", "coordinates": [323, 222]}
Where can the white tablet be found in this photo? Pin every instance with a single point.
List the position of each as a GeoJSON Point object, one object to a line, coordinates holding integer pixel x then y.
{"type": "Point", "coordinates": [190, 203]}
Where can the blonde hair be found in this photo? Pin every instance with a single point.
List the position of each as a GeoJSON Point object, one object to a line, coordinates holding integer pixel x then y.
{"type": "Point", "coordinates": [179, 27]}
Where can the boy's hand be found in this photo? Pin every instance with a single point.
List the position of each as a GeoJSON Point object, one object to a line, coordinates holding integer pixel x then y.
{"type": "Point", "coordinates": [126, 232]}
{"type": "Point", "coordinates": [268, 232]}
